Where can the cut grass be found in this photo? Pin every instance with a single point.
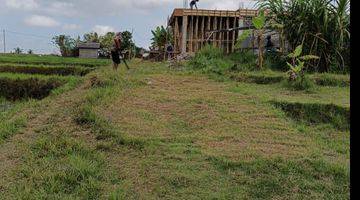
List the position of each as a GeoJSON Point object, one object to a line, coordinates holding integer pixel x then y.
{"type": "Point", "coordinates": [277, 92]}
{"type": "Point", "coordinates": [51, 60]}
{"type": "Point", "coordinates": [315, 113]}
{"type": "Point", "coordinates": [295, 179]}
{"type": "Point", "coordinates": [151, 133]}
{"type": "Point", "coordinates": [45, 70]}
{"type": "Point", "coordinates": [268, 77]}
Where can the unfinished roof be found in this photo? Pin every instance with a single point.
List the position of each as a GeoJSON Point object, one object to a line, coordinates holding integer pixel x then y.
{"type": "Point", "coordinates": [178, 12]}
{"type": "Point", "coordinates": [88, 45]}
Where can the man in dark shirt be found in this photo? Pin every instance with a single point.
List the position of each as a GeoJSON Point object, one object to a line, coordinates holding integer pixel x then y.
{"type": "Point", "coordinates": [193, 3]}
{"type": "Point", "coordinates": [269, 44]}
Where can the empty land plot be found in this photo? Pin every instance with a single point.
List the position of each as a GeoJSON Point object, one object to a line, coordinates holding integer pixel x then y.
{"type": "Point", "coordinates": [151, 133]}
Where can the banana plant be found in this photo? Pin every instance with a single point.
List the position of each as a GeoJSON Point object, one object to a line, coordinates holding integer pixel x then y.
{"type": "Point", "coordinates": [298, 63]}
{"type": "Point", "coordinates": [259, 23]}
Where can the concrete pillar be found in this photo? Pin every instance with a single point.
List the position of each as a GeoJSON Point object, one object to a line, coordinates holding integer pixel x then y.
{"type": "Point", "coordinates": [184, 34]}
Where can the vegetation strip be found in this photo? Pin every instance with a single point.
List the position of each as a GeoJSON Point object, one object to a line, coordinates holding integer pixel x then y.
{"type": "Point", "coordinates": [316, 113]}
{"type": "Point", "coordinates": [45, 70]}
{"type": "Point", "coordinates": [15, 89]}
{"type": "Point", "coordinates": [51, 60]}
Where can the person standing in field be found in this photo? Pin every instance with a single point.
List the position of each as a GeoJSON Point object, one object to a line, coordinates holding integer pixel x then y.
{"type": "Point", "coordinates": [115, 51]}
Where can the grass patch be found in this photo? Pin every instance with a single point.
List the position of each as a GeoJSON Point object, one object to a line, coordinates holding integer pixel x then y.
{"type": "Point", "coordinates": [51, 60]}
{"type": "Point", "coordinates": [264, 77]}
{"type": "Point", "coordinates": [315, 113]}
{"type": "Point", "coordinates": [60, 168]}
{"type": "Point", "coordinates": [11, 127]}
{"type": "Point", "coordinates": [45, 70]}
{"type": "Point", "coordinates": [326, 79]}
{"type": "Point", "coordinates": [288, 179]}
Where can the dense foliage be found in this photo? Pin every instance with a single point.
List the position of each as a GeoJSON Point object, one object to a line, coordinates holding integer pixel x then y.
{"type": "Point", "coordinates": [67, 44]}
{"type": "Point", "coordinates": [322, 26]}
{"type": "Point", "coordinates": [161, 36]}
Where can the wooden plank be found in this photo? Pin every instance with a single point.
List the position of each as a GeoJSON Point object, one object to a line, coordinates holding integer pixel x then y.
{"type": "Point", "coordinates": [227, 34]}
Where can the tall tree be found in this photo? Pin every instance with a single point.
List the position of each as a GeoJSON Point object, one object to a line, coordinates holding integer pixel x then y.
{"type": "Point", "coordinates": [18, 50]}
{"type": "Point", "coordinates": [66, 44]}
{"type": "Point", "coordinates": [160, 37]}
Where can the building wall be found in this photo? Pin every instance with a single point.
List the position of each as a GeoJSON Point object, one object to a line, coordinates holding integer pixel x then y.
{"type": "Point", "coordinates": [88, 53]}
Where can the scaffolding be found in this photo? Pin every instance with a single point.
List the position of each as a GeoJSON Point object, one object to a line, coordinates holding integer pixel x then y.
{"type": "Point", "coordinates": [191, 28]}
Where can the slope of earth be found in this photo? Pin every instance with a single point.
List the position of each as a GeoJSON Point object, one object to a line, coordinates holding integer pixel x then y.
{"type": "Point", "coordinates": [152, 133]}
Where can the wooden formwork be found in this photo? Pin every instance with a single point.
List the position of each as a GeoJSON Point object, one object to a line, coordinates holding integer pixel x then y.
{"type": "Point", "coordinates": [190, 28]}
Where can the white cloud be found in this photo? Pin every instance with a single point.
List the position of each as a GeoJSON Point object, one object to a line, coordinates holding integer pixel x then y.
{"type": "Point", "coordinates": [22, 4]}
{"type": "Point", "coordinates": [71, 26]}
{"type": "Point", "coordinates": [42, 21]}
{"type": "Point", "coordinates": [102, 30]}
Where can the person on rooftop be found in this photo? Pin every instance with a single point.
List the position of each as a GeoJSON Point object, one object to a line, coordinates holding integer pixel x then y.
{"type": "Point", "coordinates": [193, 3]}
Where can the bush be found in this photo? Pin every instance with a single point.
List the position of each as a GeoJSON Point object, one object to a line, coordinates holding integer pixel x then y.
{"type": "Point", "coordinates": [244, 60]}
{"type": "Point", "coordinates": [276, 61]}
{"type": "Point", "coordinates": [301, 83]}
{"type": "Point", "coordinates": [210, 60]}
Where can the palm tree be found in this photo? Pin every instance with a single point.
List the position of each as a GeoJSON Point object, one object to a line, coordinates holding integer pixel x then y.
{"type": "Point", "coordinates": [30, 51]}
{"type": "Point", "coordinates": [18, 50]}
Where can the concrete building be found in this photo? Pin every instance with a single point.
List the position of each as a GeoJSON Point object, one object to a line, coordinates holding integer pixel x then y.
{"type": "Point", "coordinates": [88, 50]}
{"type": "Point", "coordinates": [191, 28]}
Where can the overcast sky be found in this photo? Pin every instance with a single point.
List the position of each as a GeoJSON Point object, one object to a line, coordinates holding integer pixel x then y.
{"type": "Point", "coordinates": [30, 24]}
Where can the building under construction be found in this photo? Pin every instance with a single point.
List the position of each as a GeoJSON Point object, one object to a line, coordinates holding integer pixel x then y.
{"type": "Point", "coordinates": [192, 28]}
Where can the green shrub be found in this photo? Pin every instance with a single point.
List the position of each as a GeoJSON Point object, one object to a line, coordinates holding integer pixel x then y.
{"type": "Point", "coordinates": [244, 60]}
{"type": "Point", "coordinates": [210, 60]}
{"type": "Point", "coordinates": [276, 61]}
{"type": "Point", "coordinates": [303, 83]}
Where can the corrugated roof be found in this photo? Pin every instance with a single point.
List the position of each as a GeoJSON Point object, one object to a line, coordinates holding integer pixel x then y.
{"type": "Point", "coordinates": [88, 45]}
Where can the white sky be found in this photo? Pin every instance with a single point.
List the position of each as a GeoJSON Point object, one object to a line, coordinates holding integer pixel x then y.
{"type": "Point", "coordinates": [40, 20]}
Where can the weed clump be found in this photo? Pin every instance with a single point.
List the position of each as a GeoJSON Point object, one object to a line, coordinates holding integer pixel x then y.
{"type": "Point", "coordinates": [303, 83]}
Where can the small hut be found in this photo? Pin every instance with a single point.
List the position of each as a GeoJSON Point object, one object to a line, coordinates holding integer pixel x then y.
{"type": "Point", "coordinates": [88, 50]}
